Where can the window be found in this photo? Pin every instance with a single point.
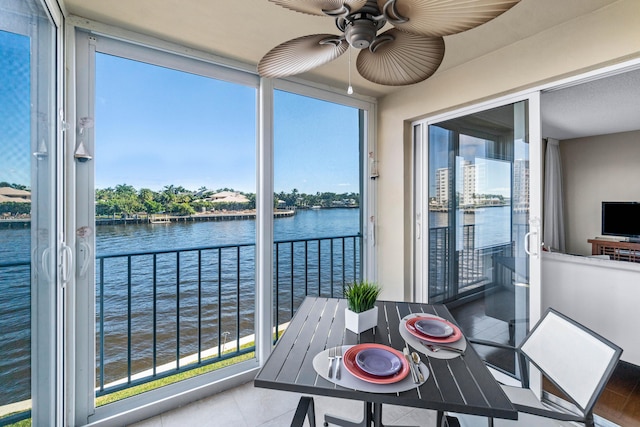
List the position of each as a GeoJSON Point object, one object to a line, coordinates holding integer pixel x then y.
{"type": "Point", "coordinates": [317, 221]}
{"type": "Point", "coordinates": [174, 229]}
{"type": "Point", "coordinates": [170, 250]}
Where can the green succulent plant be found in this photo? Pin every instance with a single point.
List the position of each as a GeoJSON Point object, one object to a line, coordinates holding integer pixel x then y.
{"type": "Point", "coordinates": [361, 296]}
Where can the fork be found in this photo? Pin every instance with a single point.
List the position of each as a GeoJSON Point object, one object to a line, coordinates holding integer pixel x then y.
{"type": "Point", "coordinates": [435, 348]}
{"type": "Point", "coordinates": [338, 357]}
{"type": "Point", "coordinates": [332, 356]}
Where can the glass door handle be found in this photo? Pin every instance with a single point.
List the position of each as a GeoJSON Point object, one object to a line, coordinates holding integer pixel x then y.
{"type": "Point", "coordinates": [67, 262]}
{"type": "Point", "coordinates": [534, 224]}
{"type": "Point", "coordinates": [527, 243]}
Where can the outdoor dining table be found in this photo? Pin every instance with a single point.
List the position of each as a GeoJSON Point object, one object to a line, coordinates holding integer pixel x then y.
{"type": "Point", "coordinates": [461, 383]}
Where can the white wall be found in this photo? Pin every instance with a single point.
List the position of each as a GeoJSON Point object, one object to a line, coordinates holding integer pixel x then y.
{"type": "Point", "coordinates": [597, 169]}
{"type": "Point", "coordinates": [569, 284]}
{"type": "Point", "coordinates": [604, 37]}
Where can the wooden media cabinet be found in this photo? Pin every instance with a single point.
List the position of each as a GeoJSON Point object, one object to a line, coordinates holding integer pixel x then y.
{"type": "Point", "coordinates": [619, 251]}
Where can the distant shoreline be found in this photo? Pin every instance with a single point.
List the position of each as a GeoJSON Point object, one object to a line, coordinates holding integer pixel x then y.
{"type": "Point", "coordinates": [168, 219]}
{"type": "Point", "coordinates": [436, 208]}
{"type": "Point", "coordinates": [159, 219]}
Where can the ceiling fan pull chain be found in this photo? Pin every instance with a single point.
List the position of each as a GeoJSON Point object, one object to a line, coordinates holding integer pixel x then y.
{"type": "Point", "coordinates": [350, 88]}
{"type": "Point", "coordinates": [393, 16]}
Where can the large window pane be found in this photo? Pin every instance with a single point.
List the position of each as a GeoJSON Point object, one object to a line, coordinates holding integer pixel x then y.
{"type": "Point", "coordinates": [317, 226]}
{"type": "Point", "coordinates": [175, 230]}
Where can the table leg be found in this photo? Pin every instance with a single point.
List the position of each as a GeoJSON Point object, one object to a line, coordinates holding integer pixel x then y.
{"type": "Point", "coordinates": [377, 416]}
{"type": "Point", "coordinates": [366, 419]}
{"type": "Point", "coordinates": [372, 414]}
{"type": "Point", "coordinates": [304, 410]}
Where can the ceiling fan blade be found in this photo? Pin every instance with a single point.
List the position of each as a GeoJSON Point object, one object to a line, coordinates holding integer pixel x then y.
{"type": "Point", "coordinates": [316, 7]}
{"type": "Point", "coordinates": [438, 18]}
{"type": "Point", "coordinates": [301, 54]}
{"type": "Point", "coordinates": [407, 59]}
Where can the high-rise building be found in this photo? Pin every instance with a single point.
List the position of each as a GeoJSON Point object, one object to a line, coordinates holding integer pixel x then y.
{"type": "Point", "coordinates": [442, 186]}
{"type": "Point", "coordinates": [469, 183]}
{"type": "Point", "coordinates": [521, 185]}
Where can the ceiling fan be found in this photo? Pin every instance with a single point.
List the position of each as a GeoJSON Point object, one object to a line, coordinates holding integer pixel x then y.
{"type": "Point", "coordinates": [404, 55]}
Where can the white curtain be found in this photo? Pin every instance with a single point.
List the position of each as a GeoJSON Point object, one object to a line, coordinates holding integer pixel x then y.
{"type": "Point", "coordinates": [553, 198]}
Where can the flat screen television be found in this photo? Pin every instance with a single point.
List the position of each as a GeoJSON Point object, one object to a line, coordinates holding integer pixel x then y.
{"type": "Point", "coordinates": [621, 219]}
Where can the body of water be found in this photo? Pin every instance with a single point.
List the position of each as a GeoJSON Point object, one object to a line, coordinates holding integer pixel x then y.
{"type": "Point", "coordinates": [118, 239]}
{"type": "Point", "coordinates": [492, 225]}
{"type": "Point", "coordinates": [216, 272]}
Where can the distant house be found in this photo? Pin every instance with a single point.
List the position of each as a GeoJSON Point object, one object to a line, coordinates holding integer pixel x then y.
{"type": "Point", "coordinates": [9, 194]}
{"type": "Point", "coordinates": [228, 197]}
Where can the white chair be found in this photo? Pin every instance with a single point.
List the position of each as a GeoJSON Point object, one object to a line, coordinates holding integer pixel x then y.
{"type": "Point", "coordinates": [573, 358]}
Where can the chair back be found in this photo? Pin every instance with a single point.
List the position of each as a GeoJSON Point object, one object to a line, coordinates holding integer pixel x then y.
{"type": "Point", "coordinates": [575, 359]}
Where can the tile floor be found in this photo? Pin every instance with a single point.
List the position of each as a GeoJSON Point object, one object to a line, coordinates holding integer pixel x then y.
{"type": "Point", "coordinates": [248, 406]}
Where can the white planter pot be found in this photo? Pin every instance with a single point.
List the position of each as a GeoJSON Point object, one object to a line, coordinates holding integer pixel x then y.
{"type": "Point", "coordinates": [360, 322]}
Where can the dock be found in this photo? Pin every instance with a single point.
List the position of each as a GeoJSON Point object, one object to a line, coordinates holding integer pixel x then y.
{"type": "Point", "coordinates": [168, 219]}
{"type": "Point", "coordinates": [164, 219]}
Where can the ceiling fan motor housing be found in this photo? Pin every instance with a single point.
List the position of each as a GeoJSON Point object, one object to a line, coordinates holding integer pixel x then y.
{"type": "Point", "coordinates": [361, 31]}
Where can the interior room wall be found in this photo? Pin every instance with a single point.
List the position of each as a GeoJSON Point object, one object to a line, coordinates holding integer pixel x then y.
{"type": "Point", "coordinates": [604, 37]}
{"type": "Point", "coordinates": [597, 169]}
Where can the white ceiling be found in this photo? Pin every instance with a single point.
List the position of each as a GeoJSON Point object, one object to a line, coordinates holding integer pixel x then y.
{"type": "Point", "coordinates": [599, 107]}
{"type": "Point", "coordinates": [244, 30]}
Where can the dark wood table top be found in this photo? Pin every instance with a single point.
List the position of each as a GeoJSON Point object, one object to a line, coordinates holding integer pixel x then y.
{"type": "Point", "coordinates": [462, 384]}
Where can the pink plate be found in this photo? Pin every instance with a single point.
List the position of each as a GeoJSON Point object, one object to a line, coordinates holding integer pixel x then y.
{"type": "Point", "coordinates": [410, 325]}
{"type": "Point", "coordinates": [350, 364]}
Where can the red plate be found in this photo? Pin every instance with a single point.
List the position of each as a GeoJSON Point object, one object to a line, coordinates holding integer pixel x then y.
{"type": "Point", "coordinates": [350, 364]}
{"type": "Point", "coordinates": [410, 325]}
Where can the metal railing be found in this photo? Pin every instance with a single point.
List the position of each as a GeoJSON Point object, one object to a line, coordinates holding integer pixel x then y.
{"type": "Point", "coordinates": [323, 265]}
{"type": "Point", "coordinates": [159, 313]}
{"type": "Point", "coordinates": [163, 312]}
{"type": "Point", "coordinates": [191, 300]}
{"type": "Point", "coordinates": [470, 268]}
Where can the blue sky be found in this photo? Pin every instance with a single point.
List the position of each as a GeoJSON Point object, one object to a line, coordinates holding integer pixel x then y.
{"type": "Point", "coordinates": [15, 148]}
{"type": "Point", "coordinates": [316, 145]}
{"type": "Point", "coordinates": [155, 126]}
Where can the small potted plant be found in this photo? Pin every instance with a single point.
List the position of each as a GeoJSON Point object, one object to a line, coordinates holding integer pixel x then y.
{"type": "Point", "coordinates": [361, 313]}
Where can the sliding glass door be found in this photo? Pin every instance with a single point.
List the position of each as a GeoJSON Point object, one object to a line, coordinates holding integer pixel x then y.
{"type": "Point", "coordinates": [167, 258]}
{"type": "Point", "coordinates": [30, 298]}
{"type": "Point", "coordinates": [480, 222]}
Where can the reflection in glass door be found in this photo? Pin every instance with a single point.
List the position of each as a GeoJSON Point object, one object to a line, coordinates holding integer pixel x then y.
{"type": "Point", "coordinates": [478, 220]}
